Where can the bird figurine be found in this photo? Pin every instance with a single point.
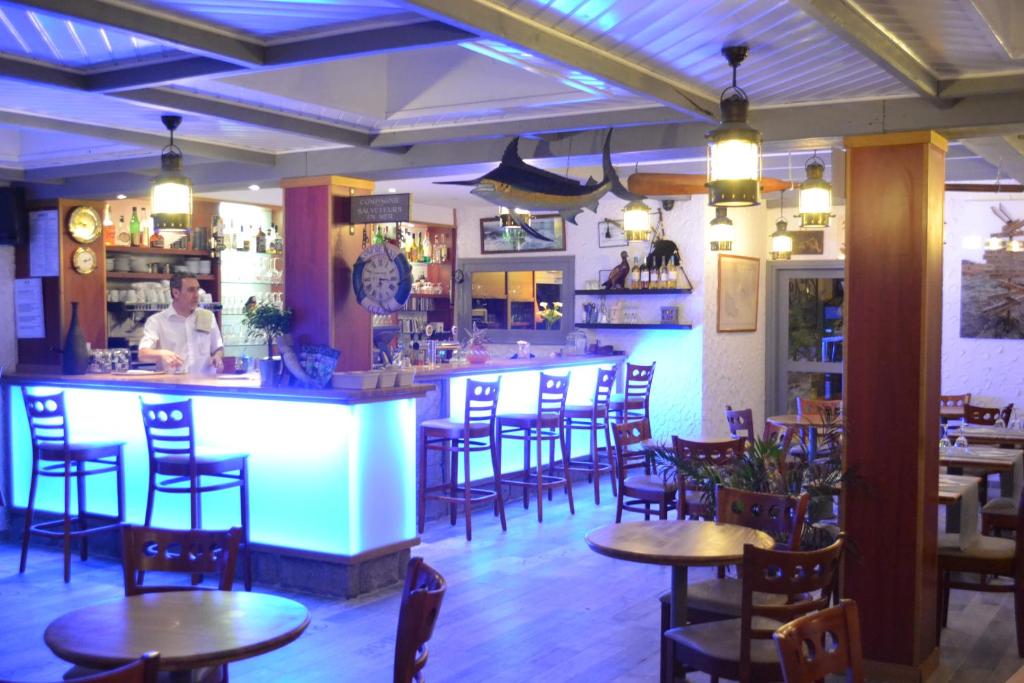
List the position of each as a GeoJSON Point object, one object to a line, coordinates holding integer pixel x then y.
{"type": "Point", "coordinates": [617, 278]}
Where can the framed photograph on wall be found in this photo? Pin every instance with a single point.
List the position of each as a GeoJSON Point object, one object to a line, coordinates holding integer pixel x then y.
{"type": "Point", "coordinates": [808, 242]}
{"type": "Point", "coordinates": [610, 233]}
{"type": "Point", "coordinates": [495, 239]}
{"type": "Point", "coordinates": [738, 289]}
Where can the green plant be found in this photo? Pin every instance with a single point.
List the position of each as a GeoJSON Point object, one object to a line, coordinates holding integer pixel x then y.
{"type": "Point", "coordinates": [266, 322]}
{"type": "Point", "coordinates": [551, 315]}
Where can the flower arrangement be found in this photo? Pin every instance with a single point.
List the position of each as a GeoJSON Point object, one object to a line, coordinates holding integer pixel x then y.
{"type": "Point", "coordinates": [550, 315]}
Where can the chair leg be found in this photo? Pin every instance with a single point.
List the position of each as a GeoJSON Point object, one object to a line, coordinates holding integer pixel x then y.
{"type": "Point", "coordinates": [28, 512]}
{"type": "Point", "coordinates": [150, 496]}
{"type": "Point", "coordinates": [551, 464]}
{"type": "Point", "coordinates": [499, 498]}
{"type": "Point", "coordinates": [453, 483]}
{"type": "Point", "coordinates": [565, 470]}
{"type": "Point", "coordinates": [540, 476]}
{"type": "Point", "coordinates": [1018, 614]}
{"type": "Point", "coordinates": [421, 480]}
{"type": "Point", "coordinates": [83, 543]}
{"type": "Point", "coordinates": [243, 496]}
{"type": "Point", "coordinates": [67, 521]}
{"type": "Point", "coordinates": [612, 464]}
{"type": "Point", "coordinates": [467, 491]}
{"type": "Point", "coordinates": [526, 470]}
{"type": "Point", "coordinates": [119, 476]}
{"type": "Point", "coordinates": [595, 459]}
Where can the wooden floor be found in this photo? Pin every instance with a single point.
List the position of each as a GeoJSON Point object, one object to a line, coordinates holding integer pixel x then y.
{"type": "Point", "coordinates": [532, 604]}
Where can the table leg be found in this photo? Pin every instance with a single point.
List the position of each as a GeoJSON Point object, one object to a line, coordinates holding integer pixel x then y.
{"type": "Point", "coordinates": [679, 579]}
{"type": "Point", "coordinates": [1006, 487]}
{"type": "Point", "coordinates": [953, 518]}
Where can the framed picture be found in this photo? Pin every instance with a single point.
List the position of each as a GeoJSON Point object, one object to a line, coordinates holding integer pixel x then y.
{"type": "Point", "coordinates": [495, 239]}
{"type": "Point", "coordinates": [808, 242]}
{"type": "Point", "coordinates": [738, 285]}
{"type": "Point", "coordinates": [610, 233]}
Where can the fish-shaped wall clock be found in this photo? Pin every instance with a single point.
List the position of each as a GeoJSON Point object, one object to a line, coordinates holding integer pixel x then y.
{"type": "Point", "coordinates": [514, 183]}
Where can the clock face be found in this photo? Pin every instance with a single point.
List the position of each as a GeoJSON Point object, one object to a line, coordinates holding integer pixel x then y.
{"type": "Point", "coordinates": [382, 279]}
{"type": "Point", "coordinates": [84, 224]}
{"type": "Point", "coordinates": [84, 260]}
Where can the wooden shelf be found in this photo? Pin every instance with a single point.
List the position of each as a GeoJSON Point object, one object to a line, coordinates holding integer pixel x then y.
{"type": "Point", "coordinates": [114, 275]}
{"type": "Point", "coordinates": [150, 251]}
{"type": "Point", "coordinates": [630, 292]}
{"type": "Point", "coordinates": [632, 326]}
{"type": "Point", "coordinates": [428, 296]}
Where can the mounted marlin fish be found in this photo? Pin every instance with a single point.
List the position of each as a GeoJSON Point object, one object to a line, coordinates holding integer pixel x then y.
{"type": "Point", "coordinates": [514, 183]}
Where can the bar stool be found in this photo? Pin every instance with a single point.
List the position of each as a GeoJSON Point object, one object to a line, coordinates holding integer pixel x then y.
{"type": "Point", "coordinates": [474, 434]}
{"type": "Point", "coordinates": [52, 443]}
{"type": "Point", "coordinates": [170, 436]}
{"type": "Point", "coordinates": [547, 425]}
{"type": "Point", "coordinates": [593, 417]}
{"type": "Point", "coordinates": [635, 402]}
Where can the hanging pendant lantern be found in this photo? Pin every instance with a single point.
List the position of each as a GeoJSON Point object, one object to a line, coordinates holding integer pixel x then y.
{"type": "Point", "coordinates": [170, 197]}
{"type": "Point", "coordinates": [815, 196]}
{"type": "Point", "coordinates": [782, 243]}
{"type": "Point", "coordinates": [722, 231]}
{"type": "Point", "coordinates": [636, 221]}
{"type": "Point", "coordinates": [734, 147]}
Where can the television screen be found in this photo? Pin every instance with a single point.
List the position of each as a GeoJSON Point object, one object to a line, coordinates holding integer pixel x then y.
{"type": "Point", "coordinates": [13, 216]}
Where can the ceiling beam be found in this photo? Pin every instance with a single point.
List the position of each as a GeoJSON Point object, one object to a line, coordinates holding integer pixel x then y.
{"type": "Point", "coordinates": [190, 35]}
{"type": "Point", "coordinates": [150, 140]}
{"type": "Point", "coordinates": [157, 73]}
{"type": "Point", "coordinates": [11, 174]}
{"type": "Point", "coordinates": [981, 85]}
{"type": "Point", "coordinates": [181, 101]}
{"type": "Point", "coordinates": [148, 164]}
{"type": "Point", "coordinates": [864, 35]}
{"type": "Point", "coordinates": [34, 72]}
{"type": "Point", "coordinates": [1007, 158]}
{"type": "Point", "coordinates": [489, 18]}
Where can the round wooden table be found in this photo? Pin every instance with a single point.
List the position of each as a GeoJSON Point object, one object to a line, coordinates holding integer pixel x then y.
{"type": "Point", "coordinates": [679, 543]}
{"type": "Point", "coordinates": [191, 629]}
{"type": "Point", "coordinates": [811, 422]}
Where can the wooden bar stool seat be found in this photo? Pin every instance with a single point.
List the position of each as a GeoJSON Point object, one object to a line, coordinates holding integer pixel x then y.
{"type": "Point", "coordinates": [451, 438]}
{"type": "Point", "coordinates": [547, 425]}
{"type": "Point", "coordinates": [635, 402]}
{"type": "Point", "coordinates": [55, 454]}
{"type": "Point", "coordinates": [170, 437]}
{"type": "Point", "coordinates": [594, 417]}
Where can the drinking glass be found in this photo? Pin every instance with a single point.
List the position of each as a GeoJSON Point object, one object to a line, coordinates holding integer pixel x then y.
{"type": "Point", "coordinates": [999, 423]}
{"type": "Point", "coordinates": [961, 441]}
{"type": "Point", "coordinates": [944, 441]}
{"type": "Point", "coordinates": [122, 360]}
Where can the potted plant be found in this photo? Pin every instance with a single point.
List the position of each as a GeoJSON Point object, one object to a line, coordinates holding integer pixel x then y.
{"type": "Point", "coordinates": [550, 315]}
{"type": "Point", "coordinates": [266, 322]}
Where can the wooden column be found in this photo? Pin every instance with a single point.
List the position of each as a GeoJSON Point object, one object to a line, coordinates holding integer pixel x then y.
{"type": "Point", "coordinates": [893, 329]}
{"type": "Point", "coordinates": [318, 268]}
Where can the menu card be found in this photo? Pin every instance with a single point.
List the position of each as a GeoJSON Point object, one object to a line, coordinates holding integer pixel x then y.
{"type": "Point", "coordinates": [28, 308]}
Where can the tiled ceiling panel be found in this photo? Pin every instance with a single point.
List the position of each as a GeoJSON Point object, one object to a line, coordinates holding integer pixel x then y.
{"type": "Point", "coordinates": [267, 18]}
{"type": "Point", "coordinates": [55, 39]}
{"type": "Point", "coordinates": [792, 59]}
{"type": "Point", "coordinates": [38, 100]}
{"type": "Point", "coordinates": [953, 37]}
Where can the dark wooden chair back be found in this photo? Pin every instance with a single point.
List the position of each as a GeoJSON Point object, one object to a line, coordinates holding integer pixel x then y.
{"type": "Point", "coordinates": [781, 435]}
{"type": "Point", "coordinates": [421, 602]}
{"type": "Point", "coordinates": [978, 415]}
{"type": "Point", "coordinates": [47, 419]}
{"type": "Point", "coordinates": [626, 434]}
{"type": "Point", "coordinates": [481, 401]}
{"type": "Point", "coordinates": [829, 409]}
{"type": "Point", "coordinates": [551, 396]}
{"type": "Point", "coordinates": [198, 551]}
{"type": "Point", "coordinates": [807, 578]}
{"type": "Point", "coordinates": [637, 393]}
{"type": "Point", "coordinates": [145, 669]}
{"type": "Point", "coordinates": [741, 422]}
{"type": "Point", "coordinates": [954, 400]}
{"type": "Point", "coordinates": [714, 453]}
{"type": "Point", "coordinates": [603, 389]}
{"type": "Point", "coordinates": [169, 430]}
{"type": "Point", "coordinates": [821, 644]}
{"type": "Point", "coordinates": [777, 515]}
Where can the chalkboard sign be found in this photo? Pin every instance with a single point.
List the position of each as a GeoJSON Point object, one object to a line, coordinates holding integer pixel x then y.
{"type": "Point", "coordinates": [381, 208]}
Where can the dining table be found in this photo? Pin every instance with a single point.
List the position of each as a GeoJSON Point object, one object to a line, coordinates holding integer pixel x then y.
{"type": "Point", "coordinates": [959, 494]}
{"type": "Point", "coordinates": [1008, 463]}
{"type": "Point", "coordinates": [992, 435]}
{"type": "Point", "coordinates": [678, 543]}
{"type": "Point", "coordinates": [810, 423]}
{"type": "Point", "coordinates": [192, 629]}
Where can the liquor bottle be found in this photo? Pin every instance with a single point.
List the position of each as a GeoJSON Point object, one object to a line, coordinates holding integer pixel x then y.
{"type": "Point", "coordinates": [261, 241]}
{"type": "Point", "coordinates": [378, 236]}
{"type": "Point", "coordinates": [428, 251]}
{"type": "Point", "coordinates": [135, 228]}
{"type": "Point", "coordinates": [109, 232]}
{"type": "Point", "coordinates": [145, 229]}
{"type": "Point", "coordinates": [645, 277]}
{"type": "Point", "coordinates": [634, 279]}
{"type": "Point", "coordinates": [123, 236]}
{"type": "Point", "coordinates": [246, 242]}
{"type": "Point", "coordinates": [671, 281]}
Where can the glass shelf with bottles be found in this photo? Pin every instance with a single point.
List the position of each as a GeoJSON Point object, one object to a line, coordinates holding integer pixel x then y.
{"type": "Point", "coordinates": [660, 277]}
{"type": "Point", "coordinates": [422, 249]}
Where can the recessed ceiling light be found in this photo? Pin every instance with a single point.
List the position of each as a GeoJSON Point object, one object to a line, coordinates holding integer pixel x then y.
{"type": "Point", "coordinates": [254, 187]}
{"type": "Point", "coordinates": [122, 196]}
{"type": "Point", "coordinates": [391, 189]}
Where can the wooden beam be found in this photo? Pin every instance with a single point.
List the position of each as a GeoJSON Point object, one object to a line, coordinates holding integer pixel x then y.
{"type": "Point", "coordinates": [981, 85]}
{"type": "Point", "coordinates": [492, 19]}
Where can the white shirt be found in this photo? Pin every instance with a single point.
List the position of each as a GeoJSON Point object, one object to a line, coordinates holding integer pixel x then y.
{"type": "Point", "coordinates": [169, 330]}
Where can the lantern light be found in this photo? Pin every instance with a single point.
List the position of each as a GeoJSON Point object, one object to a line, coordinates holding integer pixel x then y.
{"type": "Point", "coordinates": [508, 221]}
{"type": "Point", "coordinates": [170, 197]}
{"type": "Point", "coordinates": [636, 221]}
{"type": "Point", "coordinates": [782, 243]}
{"type": "Point", "coordinates": [993, 243]}
{"type": "Point", "coordinates": [722, 231]}
{"type": "Point", "coordinates": [815, 196]}
{"type": "Point", "coordinates": [734, 147]}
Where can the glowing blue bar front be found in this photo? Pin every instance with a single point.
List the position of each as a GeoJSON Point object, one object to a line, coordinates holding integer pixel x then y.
{"type": "Point", "coordinates": [324, 477]}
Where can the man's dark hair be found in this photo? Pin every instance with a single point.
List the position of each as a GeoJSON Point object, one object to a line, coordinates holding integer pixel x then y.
{"type": "Point", "coordinates": [176, 280]}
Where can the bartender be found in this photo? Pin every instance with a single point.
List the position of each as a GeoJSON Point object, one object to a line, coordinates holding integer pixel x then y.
{"type": "Point", "coordinates": [183, 338]}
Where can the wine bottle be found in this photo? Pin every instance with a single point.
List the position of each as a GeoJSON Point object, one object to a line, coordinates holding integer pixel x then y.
{"type": "Point", "coordinates": [645, 277]}
{"type": "Point", "coordinates": [109, 231]}
{"type": "Point", "coordinates": [634, 280]}
{"type": "Point", "coordinates": [145, 229]}
{"type": "Point", "coordinates": [261, 242]}
{"type": "Point", "coordinates": [123, 238]}
{"type": "Point", "coordinates": [135, 229]}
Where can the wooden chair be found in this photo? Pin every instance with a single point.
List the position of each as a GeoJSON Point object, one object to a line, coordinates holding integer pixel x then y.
{"type": "Point", "coordinates": [828, 409]}
{"type": "Point", "coordinates": [421, 601]}
{"type": "Point", "coordinates": [741, 649]}
{"type": "Point", "coordinates": [741, 422]}
{"type": "Point", "coordinates": [717, 454]}
{"type": "Point", "coordinates": [170, 436]}
{"type": "Point", "coordinates": [593, 417]}
{"type": "Point", "coordinates": [822, 643]}
{"type": "Point", "coordinates": [56, 454]}
{"type": "Point", "coordinates": [721, 598]}
{"type": "Point", "coordinates": [998, 515]}
{"type": "Point", "coordinates": [547, 425]}
{"type": "Point", "coordinates": [986, 556]}
{"type": "Point", "coordinates": [640, 485]}
{"type": "Point", "coordinates": [954, 400]}
{"type": "Point", "coordinates": [474, 434]}
{"type": "Point", "coordinates": [979, 415]}
{"type": "Point", "coordinates": [193, 551]}
{"type": "Point", "coordinates": [635, 402]}
{"type": "Point", "coordinates": [145, 669]}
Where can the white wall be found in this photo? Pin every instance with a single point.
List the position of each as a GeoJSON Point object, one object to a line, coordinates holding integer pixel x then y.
{"type": "Point", "coordinates": [992, 370]}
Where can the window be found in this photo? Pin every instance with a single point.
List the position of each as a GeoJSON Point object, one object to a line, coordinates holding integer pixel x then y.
{"type": "Point", "coordinates": [518, 298]}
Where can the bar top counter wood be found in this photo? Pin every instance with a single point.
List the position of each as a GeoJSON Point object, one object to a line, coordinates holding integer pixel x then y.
{"type": "Point", "coordinates": [504, 365]}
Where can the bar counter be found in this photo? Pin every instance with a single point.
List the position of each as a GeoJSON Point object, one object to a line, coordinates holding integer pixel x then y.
{"type": "Point", "coordinates": [332, 473]}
